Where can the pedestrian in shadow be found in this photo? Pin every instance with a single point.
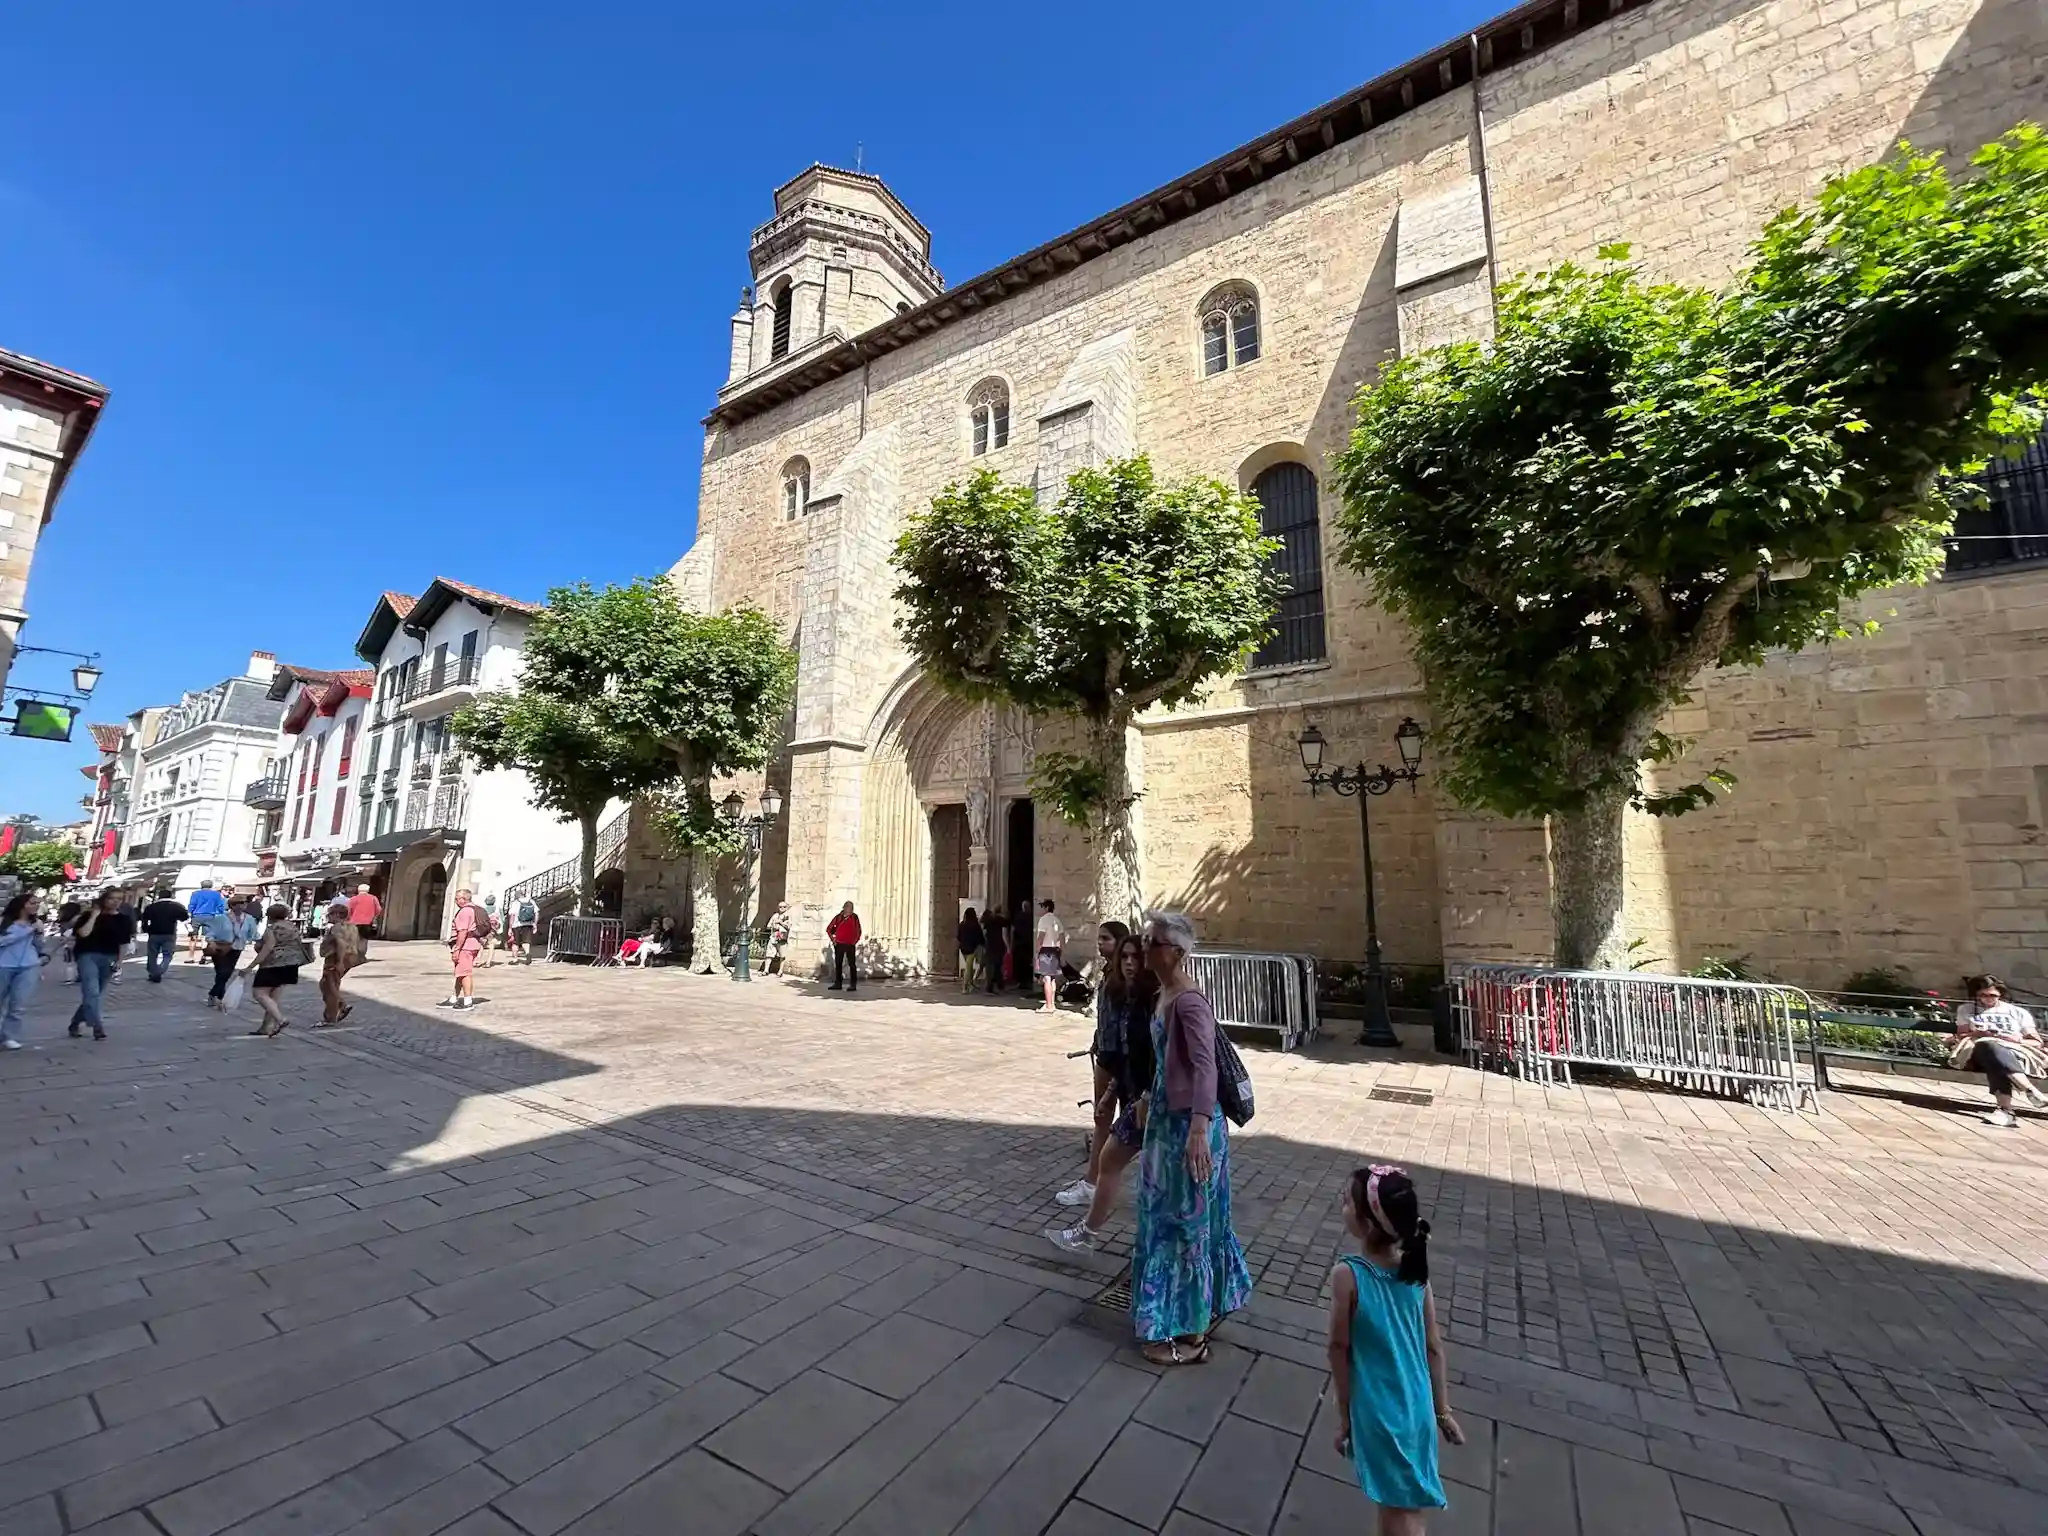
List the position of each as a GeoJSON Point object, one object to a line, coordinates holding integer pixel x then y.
{"type": "Point", "coordinates": [1387, 1353]}
{"type": "Point", "coordinates": [341, 951]}
{"type": "Point", "coordinates": [994, 930]}
{"type": "Point", "coordinates": [279, 954]}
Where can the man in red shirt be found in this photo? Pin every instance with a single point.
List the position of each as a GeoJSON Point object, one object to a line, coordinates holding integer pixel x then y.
{"type": "Point", "coordinates": [844, 932]}
{"type": "Point", "coordinates": [363, 910]}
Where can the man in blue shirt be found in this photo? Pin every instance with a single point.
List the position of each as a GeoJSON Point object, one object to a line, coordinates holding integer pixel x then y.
{"type": "Point", "coordinates": [206, 902]}
{"type": "Point", "coordinates": [228, 933]}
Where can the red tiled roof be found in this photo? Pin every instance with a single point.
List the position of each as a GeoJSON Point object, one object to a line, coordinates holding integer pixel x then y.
{"type": "Point", "coordinates": [89, 770]}
{"type": "Point", "coordinates": [484, 595]}
{"type": "Point", "coordinates": [400, 603]}
{"type": "Point", "coordinates": [355, 677]}
{"type": "Point", "coordinates": [106, 737]}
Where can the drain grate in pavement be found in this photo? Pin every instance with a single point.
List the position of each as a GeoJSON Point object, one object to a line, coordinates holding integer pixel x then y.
{"type": "Point", "coordinates": [1117, 1294]}
{"type": "Point", "coordinates": [1422, 1096]}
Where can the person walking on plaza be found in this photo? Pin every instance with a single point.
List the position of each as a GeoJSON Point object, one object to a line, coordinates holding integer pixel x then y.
{"type": "Point", "coordinates": [968, 937]}
{"type": "Point", "coordinates": [206, 902]}
{"type": "Point", "coordinates": [778, 938]}
{"type": "Point", "coordinates": [1052, 954]}
{"type": "Point", "coordinates": [466, 937]}
{"type": "Point", "coordinates": [23, 954]}
{"type": "Point", "coordinates": [364, 910]}
{"type": "Point", "coordinates": [160, 921]}
{"type": "Point", "coordinates": [994, 927]}
{"type": "Point", "coordinates": [844, 932]}
{"type": "Point", "coordinates": [1387, 1353]}
{"type": "Point", "coordinates": [2001, 1040]}
{"type": "Point", "coordinates": [228, 933]}
{"type": "Point", "coordinates": [1187, 1268]}
{"type": "Point", "coordinates": [525, 918]}
{"type": "Point", "coordinates": [1123, 1059]}
{"type": "Point", "coordinates": [97, 940]}
{"type": "Point", "coordinates": [279, 954]}
{"type": "Point", "coordinates": [340, 953]}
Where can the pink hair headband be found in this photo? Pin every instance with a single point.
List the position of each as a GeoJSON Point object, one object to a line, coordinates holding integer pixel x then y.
{"type": "Point", "coordinates": [1377, 1172]}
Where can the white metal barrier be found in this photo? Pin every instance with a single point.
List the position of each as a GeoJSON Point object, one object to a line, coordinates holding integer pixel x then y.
{"type": "Point", "coordinates": [1257, 990]}
{"type": "Point", "coordinates": [592, 938]}
{"type": "Point", "coordinates": [1727, 1037]}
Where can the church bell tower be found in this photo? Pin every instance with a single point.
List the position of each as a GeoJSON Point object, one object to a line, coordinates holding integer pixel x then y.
{"type": "Point", "coordinates": [840, 255]}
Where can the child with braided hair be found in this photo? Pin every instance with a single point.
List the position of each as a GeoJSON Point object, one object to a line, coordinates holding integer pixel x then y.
{"type": "Point", "coordinates": [1386, 1353]}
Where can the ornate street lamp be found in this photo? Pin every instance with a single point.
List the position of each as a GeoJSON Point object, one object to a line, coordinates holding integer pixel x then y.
{"type": "Point", "coordinates": [85, 675]}
{"type": "Point", "coordinates": [752, 829]}
{"type": "Point", "coordinates": [1364, 784]}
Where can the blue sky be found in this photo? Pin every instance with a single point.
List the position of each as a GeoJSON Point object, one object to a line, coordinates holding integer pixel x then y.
{"type": "Point", "coordinates": [387, 291]}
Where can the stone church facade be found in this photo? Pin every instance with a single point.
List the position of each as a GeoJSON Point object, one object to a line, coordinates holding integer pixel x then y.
{"type": "Point", "coordinates": [1891, 799]}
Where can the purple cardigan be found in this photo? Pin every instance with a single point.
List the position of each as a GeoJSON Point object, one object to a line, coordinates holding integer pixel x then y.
{"type": "Point", "coordinates": [1190, 1054]}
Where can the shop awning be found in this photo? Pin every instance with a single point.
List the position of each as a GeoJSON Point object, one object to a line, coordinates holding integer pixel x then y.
{"type": "Point", "coordinates": [391, 844]}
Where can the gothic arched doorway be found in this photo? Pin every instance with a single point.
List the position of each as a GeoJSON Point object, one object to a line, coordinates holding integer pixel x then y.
{"type": "Point", "coordinates": [430, 904]}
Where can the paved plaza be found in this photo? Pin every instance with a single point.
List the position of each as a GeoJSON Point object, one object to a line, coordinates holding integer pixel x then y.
{"type": "Point", "coordinates": [647, 1252]}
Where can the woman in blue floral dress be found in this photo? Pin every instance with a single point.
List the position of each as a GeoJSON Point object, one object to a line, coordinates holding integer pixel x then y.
{"type": "Point", "coordinates": [1187, 1268]}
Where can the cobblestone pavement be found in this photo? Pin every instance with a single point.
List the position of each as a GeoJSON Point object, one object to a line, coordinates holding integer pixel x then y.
{"type": "Point", "coordinates": [624, 1252]}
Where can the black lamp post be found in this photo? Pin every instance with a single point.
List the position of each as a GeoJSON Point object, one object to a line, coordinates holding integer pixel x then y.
{"type": "Point", "coordinates": [1379, 1026]}
{"type": "Point", "coordinates": [752, 829]}
{"type": "Point", "coordinates": [85, 676]}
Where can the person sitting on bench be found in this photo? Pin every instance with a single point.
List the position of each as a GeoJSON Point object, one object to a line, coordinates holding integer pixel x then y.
{"type": "Point", "coordinates": [2001, 1040]}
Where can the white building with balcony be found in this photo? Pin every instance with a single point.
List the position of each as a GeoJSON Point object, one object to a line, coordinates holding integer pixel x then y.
{"type": "Point", "coordinates": [186, 818]}
{"type": "Point", "coordinates": [305, 800]}
{"type": "Point", "coordinates": [425, 820]}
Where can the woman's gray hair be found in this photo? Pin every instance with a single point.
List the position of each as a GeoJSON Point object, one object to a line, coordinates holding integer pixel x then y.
{"type": "Point", "coordinates": [1176, 927]}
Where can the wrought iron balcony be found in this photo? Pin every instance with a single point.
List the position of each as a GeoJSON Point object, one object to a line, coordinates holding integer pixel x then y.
{"type": "Point", "coordinates": [440, 690]}
{"type": "Point", "coordinates": [267, 793]}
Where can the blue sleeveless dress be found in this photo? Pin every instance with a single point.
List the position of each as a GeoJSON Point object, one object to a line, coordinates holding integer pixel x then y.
{"type": "Point", "coordinates": [1393, 1413]}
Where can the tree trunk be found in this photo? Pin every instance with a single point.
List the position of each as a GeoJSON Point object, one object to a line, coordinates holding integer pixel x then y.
{"type": "Point", "coordinates": [586, 866]}
{"type": "Point", "coordinates": [705, 955]}
{"type": "Point", "coordinates": [1119, 883]}
{"type": "Point", "coordinates": [1588, 900]}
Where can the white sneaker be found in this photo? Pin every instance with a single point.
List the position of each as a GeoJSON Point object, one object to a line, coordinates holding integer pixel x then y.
{"type": "Point", "coordinates": [10, 1045]}
{"type": "Point", "coordinates": [2005, 1119]}
{"type": "Point", "coordinates": [2037, 1098]}
{"type": "Point", "coordinates": [1080, 1192]}
{"type": "Point", "coordinates": [1075, 1239]}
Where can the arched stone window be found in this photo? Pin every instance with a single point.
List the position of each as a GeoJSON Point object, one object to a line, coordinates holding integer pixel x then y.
{"type": "Point", "coordinates": [796, 489]}
{"type": "Point", "coordinates": [988, 415]}
{"type": "Point", "coordinates": [1286, 494]}
{"type": "Point", "coordinates": [778, 338]}
{"type": "Point", "coordinates": [1230, 327]}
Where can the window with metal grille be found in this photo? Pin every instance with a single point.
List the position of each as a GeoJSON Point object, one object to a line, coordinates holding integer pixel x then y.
{"type": "Point", "coordinates": [988, 409]}
{"type": "Point", "coordinates": [1287, 511]}
{"type": "Point", "coordinates": [1230, 328]}
{"type": "Point", "coordinates": [778, 338]}
{"type": "Point", "coordinates": [796, 489]}
{"type": "Point", "coordinates": [2012, 525]}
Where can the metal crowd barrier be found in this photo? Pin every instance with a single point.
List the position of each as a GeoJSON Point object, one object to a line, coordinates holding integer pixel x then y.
{"type": "Point", "coordinates": [1727, 1037]}
{"type": "Point", "coordinates": [1251, 990]}
{"type": "Point", "coordinates": [583, 938]}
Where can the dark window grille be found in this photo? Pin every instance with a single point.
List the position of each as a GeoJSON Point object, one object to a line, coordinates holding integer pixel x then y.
{"type": "Point", "coordinates": [1287, 512]}
{"type": "Point", "coordinates": [1215, 344]}
{"type": "Point", "coordinates": [778, 338]}
{"type": "Point", "coordinates": [1244, 331]}
{"type": "Point", "coordinates": [2012, 525]}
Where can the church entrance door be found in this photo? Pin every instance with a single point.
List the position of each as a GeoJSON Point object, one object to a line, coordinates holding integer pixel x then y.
{"type": "Point", "coordinates": [949, 885]}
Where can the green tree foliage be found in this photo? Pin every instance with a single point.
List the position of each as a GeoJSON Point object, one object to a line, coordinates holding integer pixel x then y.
{"type": "Point", "coordinates": [1636, 481]}
{"type": "Point", "coordinates": [709, 691]}
{"type": "Point", "coordinates": [577, 759]}
{"type": "Point", "coordinates": [38, 864]}
{"type": "Point", "coordinates": [1125, 594]}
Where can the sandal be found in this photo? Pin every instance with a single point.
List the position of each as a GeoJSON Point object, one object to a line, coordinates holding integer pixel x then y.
{"type": "Point", "coordinates": [1171, 1352]}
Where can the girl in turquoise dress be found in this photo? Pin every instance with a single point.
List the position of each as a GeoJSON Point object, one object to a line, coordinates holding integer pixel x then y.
{"type": "Point", "coordinates": [1386, 1355]}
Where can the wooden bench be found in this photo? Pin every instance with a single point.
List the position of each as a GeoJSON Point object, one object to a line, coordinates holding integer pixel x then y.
{"type": "Point", "coordinates": [1877, 1061]}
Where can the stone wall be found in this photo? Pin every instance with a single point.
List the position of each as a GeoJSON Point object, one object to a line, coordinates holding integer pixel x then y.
{"type": "Point", "coordinates": [1677, 127]}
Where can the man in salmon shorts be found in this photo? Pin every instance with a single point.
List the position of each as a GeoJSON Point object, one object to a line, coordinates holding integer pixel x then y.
{"type": "Point", "coordinates": [465, 942]}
